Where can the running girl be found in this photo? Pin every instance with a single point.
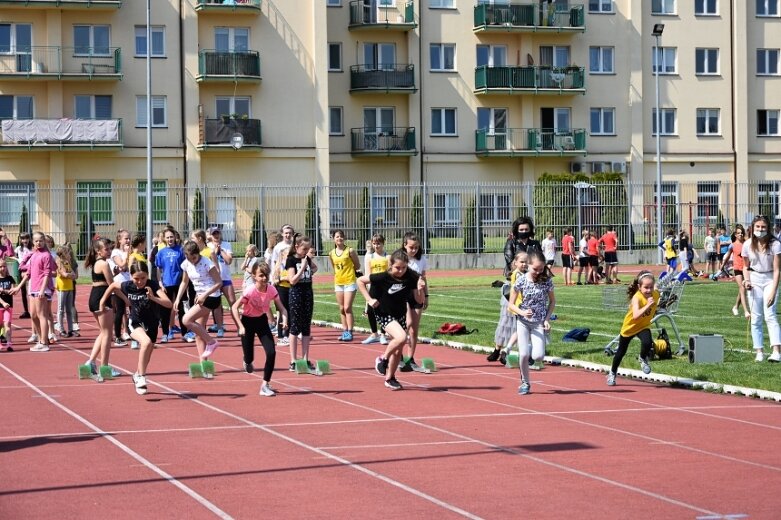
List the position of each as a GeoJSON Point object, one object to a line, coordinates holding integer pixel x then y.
{"type": "Point", "coordinates": [206, 281]}
{"type": "Point", "coordinates": [7, 291]}
{"type": "Point", "coordinates": [735, 252]}
{"type": "Point", "coordinates": [300, 267]}
{"type": "Point", "coordinates": [533, 322]}
{"type": "Point", "coordinates": [255, 303]}
{"type": "Point", "coordinates": [643, 299]}
{"type": "Point", "coordinates": [377, 261]}
{"type": "Point", "coordinates": [418, 263]}
{"type": "Point", "coordinates": [98, 266]}
{"type": "Point", "coordinates": [390, 293]}
{"type": "Point", "coordinates": [345, 263]}
{"type": "Point", "coordinates": [143, 296]}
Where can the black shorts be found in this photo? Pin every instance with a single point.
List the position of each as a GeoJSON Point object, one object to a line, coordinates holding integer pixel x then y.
{"type": "Point", "coordinates": [150, 327]}
{"type": "Point", "coordinates": [593, 260]}
{"type": "Point", "coordinates": [738, 272]}
{"type": "Point", "coordinates": [95, 295]}
{"type": "Point", "coordinates": [566, 260]}
{"type": "Point", "coordinates": [384, 320]}
{"type": "Point", "coordinates": [611, 257]}
{"type": "Point", "coordinates": [212, 303]}
{"type": "Point", "coordinates": [721, 256]}
{"type": "Point", "coordinates": [583, 261]}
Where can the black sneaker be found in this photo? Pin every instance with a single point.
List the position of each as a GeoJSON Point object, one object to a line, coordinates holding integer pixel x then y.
{"type": "Point", "coordinates": [493, 356]}
{"type": "Point", "coordinates": [393, 384]}
{"type": "Point", "coordinates": [292, 367]}
{"type": "Point", "coordinates": [406, 367]}
{"type": "Point", "coordinates": [381, 365]}
{"type": "Point", "coordinates": [24, 316]}
{"type": "Point", "coordinates": [503, 358]}
{"type": "Point", "coordinates": [248, 368]}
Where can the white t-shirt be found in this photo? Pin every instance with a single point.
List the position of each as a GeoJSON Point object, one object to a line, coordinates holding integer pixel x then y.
{"type": "Point", "coordinates": [199, 275]}
{"type": "Point", "coordinates": [761, 262]}
{"type": "Point", "coordinates": [225, 269]}
{"type": "Point", "coordinates": [122, 276]}
{"type": "Point", "coordinates": [275, 254]}
{"type": "Point", "coordinates": [583, 251]}
{"type": "Point", "coordinates": [419, 266]}
{"type": "Point", "coordinates": [549, 248]}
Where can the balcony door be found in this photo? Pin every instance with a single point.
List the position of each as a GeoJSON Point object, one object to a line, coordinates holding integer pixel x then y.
{"type": "Point", "coordinates": [378, 126]}
{"type": "Point", "coordinates": [17, 39]}
{"type": "Point", "coordinates": [555, 124]}
{"type": "Point", "coordinates": [233, 105]}
{"type": "Point", "coordinates": [492, 55]}
{"type": "Point", "coordinates": [231, 39]}
{"type": "Point", "coordinates": [379, 56]}
{"type": "Point", "coordinates": [494, 122]}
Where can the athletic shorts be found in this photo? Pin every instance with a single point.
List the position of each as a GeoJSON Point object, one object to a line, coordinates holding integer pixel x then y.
{"type": "Point", "coordinates": [593, 260]}
{"type": "Point", "coordinates": [712, 257]}
{"type": "Point", "coordinates": [46, 293]}
{"type": "Point", "coordinates": [226, 283]}
{"type": "Point", "coordinates": [413, 304]}
{"type": "Point", "coordinates": [95, 295]}
{"type": "Point", "coordinates": [672, 262]}
{"type": "Point", "coordinates": [721, 256]}
{"type": "Point", "coordinates": [212, 303]}
{"type": "Point", "coordinates": [350, 287]}
{"type": "Point", "coordinates": [583, 261]}
{"type": "Point", "coordinates": [611, 257]}
{"type": "Point", "coordinates": [738, 272]}
{"type": "Point", "coordinates": [151, 328]}
{"type": "Point", "coordinates": [383, 320]}
{"type": "Point", "coordinates": [566, 261]}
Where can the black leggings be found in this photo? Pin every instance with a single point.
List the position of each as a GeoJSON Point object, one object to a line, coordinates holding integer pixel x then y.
{"type": "Point", "coordinates": [284, 297]}
{"type": "Point", "coordinates": [623, 344]}
{"type": "Point", "coordinates": [258, 326]}
{"type": "Point", "coordinates": [302, 303]}
{"type": "Point", "coordinates": [119, 314]}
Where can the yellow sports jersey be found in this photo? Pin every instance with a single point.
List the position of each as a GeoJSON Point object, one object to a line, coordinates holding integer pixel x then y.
{"type": "Point", "coordinates": [282, 274]}
{"type": "Point", "coordinates": [64, 284]}
{"type": "Point", "coordinates": [207, 252]}
{"type": "Point", "coordinates": [344, 268]}
{"type": "Point", "coordinates": [137, 257]}
{"type": "Point", "coordinates": [632, 326]}
{"type": "Point", "coordinates": [513, 278]}
{"type": "Point", "coordinates": [378, 263]}
{"type": "Point", "coordinates": [669, 248]}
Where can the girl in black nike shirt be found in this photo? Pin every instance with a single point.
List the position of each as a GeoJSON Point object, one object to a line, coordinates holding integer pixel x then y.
{"type": "Point", "coordinates": [390, 292]}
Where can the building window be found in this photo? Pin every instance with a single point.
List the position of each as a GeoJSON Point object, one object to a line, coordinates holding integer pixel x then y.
{"type": "Point", "coordinates": [662, 6]}
{"type": "Point", "coordinates": [442, 4]}
{"type": "Point", "coordinates": [16, 107]}
{"type": "Point", "coordinates": [495, 207]}
{"type": "Point", "coordinates": [158, 41]}
{"type": "Point", "coordinates": [706, 7]}
{"type": "Point", "coordinates": [159, 197]}
{"type": "Point", "coordinates": [668, 121]}
{"type": "Point", "coordinates": [443, 121]}
{"type": "Point", "coordinates": [447, 208]}
{"type": "Point", "coordinates": [94, 198]}
{"type": "Point", "coordinates": [491, 55]}
{"type": "Point", "coordinates": [92, 107]}
{"type": "Point", "coordinates": [600, 6]}
{"type": "Point", "coordinates": [14, 195]}
{"type": "Point", "coordinates": [603, 121]}
{"type": "Point", "coordinates": [159, 111]}
{"type": "Point", "coordinates": [335, 124]}
{"type": "Point", "coordinates": [333, 3]}
{"type": "Point", "coordinates": [767, 122]}
{"type": "Point", "coordinates": [15, 37]}
{"type": "Point", "coordinates": [767, 61]}
{"type": "Point", "coordinates": [233, 106]}
{"type": "Point", "coordinates": [708, 121]}
{"type": "Point", "coordinates": [334, 57]}
{"type": "Point", "coordinates": [600, 60]}
{"type": "Point", "coordinates": [443, 56]}
{"type": "Point", "coordinates": [384, 209]}
{"type": "Point", "coordinates": [231, 39]}
{"type": "Point", "coordinates": [767, 7]}
{"type": "Point", "coordinates": [768, 198]}
{"type": "Point", "coordinates": [707, 199]}
{"type": "Point", "coordinates": [91, 40]}
{"type": "Point", "coordinates": [554, 56]}
{"type": "Point", "coordinates": [706, 61]}
{"type": "Point", "coordinates": [664, 60]}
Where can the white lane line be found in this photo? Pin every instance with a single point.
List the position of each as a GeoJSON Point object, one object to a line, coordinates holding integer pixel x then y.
{"type": "Point", "coordinates": [384, 446]}
{"type": "Point", "coordinates": [143, 461]}
{"type": "Point", "coordinates": [123, 432]}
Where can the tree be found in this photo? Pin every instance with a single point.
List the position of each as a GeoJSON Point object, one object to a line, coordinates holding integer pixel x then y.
{"type": "Point", "coordinates": [310, 218]}
{"type": "Point", "coordinates": [258, 233]}
{"type": "Point", "coordinates": [198, 221]}
{"type": "Point", "coordinates": [24, 220]}
{"type": "Point", "coordinates": [141, 220]}
{"type": "Point", "coordinates": [473, 232]}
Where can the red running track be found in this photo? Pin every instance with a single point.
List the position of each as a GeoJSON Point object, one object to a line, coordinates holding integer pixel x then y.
{"type": "Point", "coordinates": [457, 443]}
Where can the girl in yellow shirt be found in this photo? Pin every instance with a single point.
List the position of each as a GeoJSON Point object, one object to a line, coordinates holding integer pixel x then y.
{"type": "Point", "coordinates": [643, 299]}
{"type": "Point", "coordinates": [345, 262]}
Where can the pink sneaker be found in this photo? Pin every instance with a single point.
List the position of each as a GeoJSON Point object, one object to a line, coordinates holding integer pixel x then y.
{"type": "Point", "coordinates": [209, 349]}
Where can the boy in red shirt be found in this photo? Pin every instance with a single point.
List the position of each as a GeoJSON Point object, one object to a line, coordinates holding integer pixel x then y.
{"type": "Point", "coordinates": [610, 242]}
{"type": "Point", "coordinates": [592, 248]}
{"type": "Point", "coordinates": [567, 255]}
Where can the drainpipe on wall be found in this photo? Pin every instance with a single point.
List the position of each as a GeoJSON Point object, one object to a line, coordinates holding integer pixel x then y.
{"type": "Point", "coordinates": [181, 92]}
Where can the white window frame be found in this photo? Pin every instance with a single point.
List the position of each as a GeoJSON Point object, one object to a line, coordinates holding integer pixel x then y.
{"type": "Point", "coordinates": [231, 33]}
{"type": "Point", "coordinates": [603, 52]}
{"type": "Point", "coordinates": [707, 58]}
{"type": "Point", "coordinates": [331, 67]}
{"type": "Point", "coordinates": [448, 211]}
{"type": "Point", "coordinates": [769, 198]}
{"type": "Point", "coordinates": [764, 8]}
{"type": "Point", "coordinates": [440, 48]}
{"type": "Point", "coordinates": [665, 112]}
{"type": "Point", "coordinates": [602, 7]}
{"type": "Point", "coordinates": [91, 40]}
{"type": "Point", "coordinates": [157, 103]}
{"type": "Point", "coordinates": [765, 62]}
{"type": "Point", "coordinates": [140, 32]}
{"type": "Point", "coordinates": [232, 105]}
{"type": "Point", "coordinates": [13, 195]}
{"type": "Point", "coordinates": [441, 114]}
{"type": "Point", "coordinates": [16, 99]}
{"type": "Point", "coordinates": [604, 113]}
{"type": "Point", "coordinates": [92, 105]}
{"type": "Point", "coordinates": [159, 200]}
{"type": "Point", "coordinates": [336, 211]}
{"type": "Point", "coordinates": [497, 55]}
{"type": "Point", "coordinates": [769, 116]}
{"type": "Point", "coordinates": [495, 208]}
{"type": "Point", "coordinates": [378, 52]}
{"type": "Point", "coordinates": [442, 4]}
{"type": "Point", "coordinates": [102, 196]}
{"type": "Point", "coordinates": [494, 115]}
{"type": "Point", "coordinates": [706, 205]}
{"type": "Point", "coordinates": [381, 213]}
{"type": "Point", "coordinates": [340, 119]}
{"type": "Point", "coordinates": [665, 7]}
{"type": "Point", "coordinates": [703, 8]}
{"type": "Point", "coordinates": [12, 43]}
{"type": "Point", "coordinates": [666, 55]}
{"type": "Point", "coordinates": [706, 115]}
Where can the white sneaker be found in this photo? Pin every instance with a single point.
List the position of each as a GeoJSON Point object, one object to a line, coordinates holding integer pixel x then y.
{"type": "Point", "coordinates": [164, 339]}
{"type": "Point", "coordinates": [57, 327]}
{"type": "Point", "coordinates": [33, 339]}
{"type": "Point", "coordinates": [611, 379]}
{"type": "Point", "coordinates": [140, 383]}
{"type": "Point", "coordinates": [383, 339]}
{"type": "Point", "coordinates": [52, 337]}
{"type": "Point", "coordinates": [370, 340]}
{"type": "Point", "coordinates": [40, 347]}
{"type": "Point", "coordinates": [645, 366]}
{"type": "Point", "coordinates": [125, 336]}
{"type": "Point", "coordinates": [775, 357]}
{"type": "Point", "coordinates": [266, 391]}
{"type": "Point", "coordinates": [760, 357]}
{"type": "Point", "coordinates": [76, 327]}
{"type": "Point", "coordinates": [134, 345]}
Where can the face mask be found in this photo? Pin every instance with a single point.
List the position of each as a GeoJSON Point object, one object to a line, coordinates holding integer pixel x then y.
{"type": "Point", "coordinates": [523, 235]}
{"type": "Point", "coordinates": [760, 234]}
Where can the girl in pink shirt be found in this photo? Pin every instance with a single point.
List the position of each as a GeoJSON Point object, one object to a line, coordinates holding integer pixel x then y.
{"type": "Point", "coordinates": [40, 270]}
{"type": "Point", "coordinates": [256, 305]}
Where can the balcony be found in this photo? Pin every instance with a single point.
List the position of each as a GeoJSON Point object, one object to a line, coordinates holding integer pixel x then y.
{"type": "Point", "coordinates": [528, 17]}
{"type": "Point", "coordinates": [228, 66]}
{"type": "Point", "coordinates": [398, 17]}
{"type": "Point", "coordinates": [530, 142]}
{"type": "Point", "coordinates": [62, 63]}
{"type": "Point", "coordinates": [228, 6]}
{"type": "Point", "coordinates": [61, 134]}
{"type": "Point", "coordinates": [218, 133]}
{"type": "Point", "coordinates": [391, 141]}
{"type": "Point", "coordinates": [95, 5]}
{"type": "Point", "coordinates": [529, 80]}
{"type": "Point", "coordinates": [398, 78]}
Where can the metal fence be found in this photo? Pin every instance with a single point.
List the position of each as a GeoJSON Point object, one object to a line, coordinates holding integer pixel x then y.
{"type": "Point", "coordinates": [450, 218]}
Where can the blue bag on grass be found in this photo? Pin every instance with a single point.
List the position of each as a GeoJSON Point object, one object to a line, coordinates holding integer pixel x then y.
{"type": "Point", "coordinates": [579, 334]}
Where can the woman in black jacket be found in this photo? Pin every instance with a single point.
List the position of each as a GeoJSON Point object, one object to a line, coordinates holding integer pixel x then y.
{"type": "Point", "coordinates": [521, 239]}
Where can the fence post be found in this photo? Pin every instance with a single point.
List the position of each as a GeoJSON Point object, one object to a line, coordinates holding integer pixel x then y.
{"type": "Point", "coordinates": [205, 209]}
{"type": "Point", "coordinates": [630, 236]}
{"type": "Point", "coordinates": [262, 211]}
{"type": "Point", "coordinates": [424, 192]}
{"type": "Point", "coordinates": [371, 210]}
{"type": "Point", "coordinates": [478, 230]}
{"type": "Point", "coordinates": [29, 213]}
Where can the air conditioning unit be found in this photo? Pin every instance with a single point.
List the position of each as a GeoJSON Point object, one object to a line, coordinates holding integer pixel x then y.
{"type": "Point", "coordinates": [599, 167]}
{"type": "Point", "coordinates": [618, 167]}
{"type": "Point", "coordinates": [578, 167]}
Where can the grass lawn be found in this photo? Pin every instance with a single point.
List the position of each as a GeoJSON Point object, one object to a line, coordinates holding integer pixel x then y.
{"type": "Point", "coordinates": [705, 309]}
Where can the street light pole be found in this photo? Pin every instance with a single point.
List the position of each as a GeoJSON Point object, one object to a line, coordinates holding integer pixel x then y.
{"type": "Point", "coordinates": [657, 32]}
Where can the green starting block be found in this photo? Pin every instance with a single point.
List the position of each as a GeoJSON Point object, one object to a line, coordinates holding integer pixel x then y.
{"type": "Point", "coordinates": [428, 364]}
{"type": "Point", "coordinates": [513, 361]}
{"type": "Point", "coordinates": [196, 370]}
{"type": "Point", "coordinates": [85, 372]}
{"type": "Point", "coordinates": [207, 367]}
{"type": "Point", "coordinates": [323, 367]}
{"type": "Point", "coordinates": [302, 367]}
{"type": "Point", "coordinates": [105, 373]}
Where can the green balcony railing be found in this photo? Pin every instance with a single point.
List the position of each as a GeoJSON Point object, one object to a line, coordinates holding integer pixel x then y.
{"type": "Point", "coordinates": [529, 17]}
{"type": "Point", "coordinates": [214, 64]}
{"type": "Point", "coordinates": [530, 79]}
{"type": "Point", "coordinates": [400, 17]}
{"type": "Point", "coordinates": [234, 6]}
{"type": "Point", "coordinates": [390, 78]}
{"type": "Point", "coordinates": [61, 133]}
{"type": "Point", "coordinates": [530, 141]}
{"type": "Point", "coordinates": [61, 62]}
{"type": "Point", "coordinates": [220, 132]}
{"type": "Point", "coordinates": [387, 141]}
{"type": "Point", "coordinates": [64, 4]}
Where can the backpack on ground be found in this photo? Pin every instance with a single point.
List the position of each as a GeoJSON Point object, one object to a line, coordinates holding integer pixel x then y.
{"type": "Point", "coordinates": [577, 334]}
{"type": "Point", "coordinates": [453, 329]}
{"type": "Point", "coordinates": [661, 348]}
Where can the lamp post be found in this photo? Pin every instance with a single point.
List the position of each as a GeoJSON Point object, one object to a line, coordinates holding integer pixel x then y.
{"type": "Point", "coordinates": [580, 186]}
{"type": "Point", "coordinates": [657, 62]}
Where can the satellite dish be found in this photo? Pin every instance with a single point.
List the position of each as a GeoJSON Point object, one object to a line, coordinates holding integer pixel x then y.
{"type": "Point", "coordinates": [237, 141]}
